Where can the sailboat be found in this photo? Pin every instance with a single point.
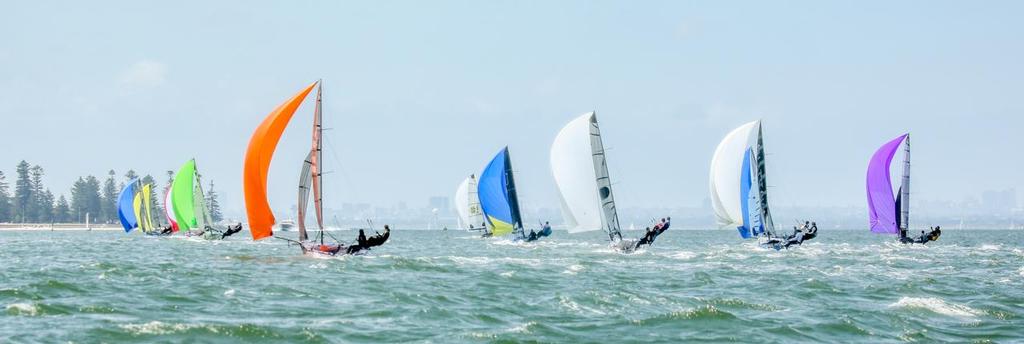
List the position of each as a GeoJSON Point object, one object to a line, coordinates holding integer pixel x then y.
{"type": "Point", "coordinates": [188, 202]}
{"type": "Point", "coordinates": [257, 164]}
{"type": "Point", "coordinates": [467, 205]}
{"type": "Point", "coordinates": [888, 214]}
{"type": "Point", "coordinates": [580, 168]}
{"type": "Point", "coordinates": [499, 200]}
{"type": "Point", "coordinates": [739, 191]}
{"type": "Point", "coordinates": [126, 206]}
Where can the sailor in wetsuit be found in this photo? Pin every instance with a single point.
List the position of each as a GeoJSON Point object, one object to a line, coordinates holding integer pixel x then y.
{"type": "Point", "coordinates": [534, 235]}
{"type": "Point", "coordinates": [653, 233]}
{"type": "Point", "coordinates": [232, 230]}
{"type": "Point", "coordinates": [808, 231]}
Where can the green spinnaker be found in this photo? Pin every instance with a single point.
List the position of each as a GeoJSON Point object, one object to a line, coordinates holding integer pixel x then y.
{"type": "Point", "coordinates": [184, 208]}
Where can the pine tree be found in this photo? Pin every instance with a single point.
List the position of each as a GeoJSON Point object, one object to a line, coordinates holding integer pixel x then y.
{"type": "Point", "coordinates": [5, 200]}
{"type": "Point", "coordinates": [211, 201]}
{"type": "Point", "coordinates": [128, 176]}
{"type": "Point", "coordinates": [109, 207]}
{"type": "Point", "coordinates": [62, 212]}
{"type": "Point", "coordinates": [39, 211]}
{"type": "Point", "coordinates": [79, 206]}
{"type": "Point", "coordinates": [170, 180]}
{"type": "Point", "coordinates": [45, 210]}
{"type": "Point", "coordinates": [93, 201]}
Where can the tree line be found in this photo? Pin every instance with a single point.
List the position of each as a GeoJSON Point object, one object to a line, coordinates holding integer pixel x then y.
{"type": "Point", "coordinates": [33, 202]}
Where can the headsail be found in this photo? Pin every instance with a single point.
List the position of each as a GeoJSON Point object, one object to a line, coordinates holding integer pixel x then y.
{"type": "Point", "coordinates": [498, 198]}
{"type": "Point", "coordinates": [147, 217]}
{"type": "Point", "coordinates": [882, 207]}
{"type": "Point", "coordinates": [580, 168]}
{"type": "Point", "coordinates": [137, 210]}
{"type": "Point", "coordinates": [257, 163]}
{"type": "Point", "coordinates": [305, 180]}
{"type": "Point", "coordinates": [124, 206]}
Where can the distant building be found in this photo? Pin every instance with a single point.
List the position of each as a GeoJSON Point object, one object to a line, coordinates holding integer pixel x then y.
{"type": "Point", "coordinates": [999, 201]}
{"type": "Point", "coordinates": [440, 203]}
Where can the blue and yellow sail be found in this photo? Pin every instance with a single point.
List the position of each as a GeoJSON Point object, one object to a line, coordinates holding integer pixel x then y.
{"type": "Point", "coordinates": [497, 193]}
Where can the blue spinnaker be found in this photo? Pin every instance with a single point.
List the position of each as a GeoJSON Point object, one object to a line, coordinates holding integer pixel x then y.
{"type": "Point", "coordinates": [125, 210]}
{"type": "Point", "coordinates": [745, 230]}
{"type": "Point", "coordinates": [495, 199]}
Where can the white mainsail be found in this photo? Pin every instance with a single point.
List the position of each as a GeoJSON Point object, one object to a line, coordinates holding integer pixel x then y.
{"type": "Point", "coordinates": [467, 204]}
{"type": "Point", "coordinates": [580, 169]}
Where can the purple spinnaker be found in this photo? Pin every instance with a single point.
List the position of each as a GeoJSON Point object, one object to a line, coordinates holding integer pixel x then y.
{"type": "Point", "coordinates": [881, 202]}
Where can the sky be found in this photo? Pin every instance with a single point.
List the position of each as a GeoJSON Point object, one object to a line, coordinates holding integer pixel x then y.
{"type": "Point", "coordinates": [419, 94]}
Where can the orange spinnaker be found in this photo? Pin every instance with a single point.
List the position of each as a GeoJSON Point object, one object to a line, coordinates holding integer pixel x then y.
{"type": "Point", "coordinates": [257, 163]}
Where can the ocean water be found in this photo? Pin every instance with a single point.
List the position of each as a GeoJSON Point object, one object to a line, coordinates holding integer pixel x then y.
{"type": "Point", "coordinates": [451, 287]}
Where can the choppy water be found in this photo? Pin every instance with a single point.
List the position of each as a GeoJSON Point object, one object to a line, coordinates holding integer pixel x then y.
{"type": "Point", "coordinates": [432, 286]}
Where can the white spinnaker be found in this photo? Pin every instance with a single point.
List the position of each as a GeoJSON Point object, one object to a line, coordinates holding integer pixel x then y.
{"type": "Point", "coordinates": [726, 168]}
{"type": "Point", "coordinates": [462, 203]}
{"type": "Point", "coordinates": [572, 164]}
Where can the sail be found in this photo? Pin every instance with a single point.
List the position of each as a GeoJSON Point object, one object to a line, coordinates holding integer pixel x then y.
{"type": "Point", "coordinates": [580, 169]}
{"type": "Point", "coordinates": [257, 163]}
{"type": "Point", "coordinates": [461, 200]}
{"type": "Point", "coordinates": [497, 195]}
{"type": "Point", "coordinates": [147, 217]}
{"type": "Point", "coordinates": [882, 209]}
{"type": "Point", "coordinates": [467, 204]}
{"type": "Point", "coordinates": [604, 181]}
{"type": "Point", "coordinates": [767, 224]}
{"type": "Point", "coordinates": [727, 171]}
{"type": "Point", "coordinates": [316, 159]}
{"type": "Point", "coordinates": [124, 206]}
{"type": "Point", "coordinates": [202, 211]}
{"type": "Point", "coordinates": [184, 197]}
{"type": "Point", "coordinates": [169, 208]}
{"type": "Point", "coordinates": [305, 180]}
{"type": "Point", "coordinates": [137, 210]}
{"type": "Point", "coordinates": [904, 199]}
{"type": "Point", "coordinates": [738, 182]}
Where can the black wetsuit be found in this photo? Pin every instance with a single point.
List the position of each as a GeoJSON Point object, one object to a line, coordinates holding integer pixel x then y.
{"type": "Point", "coordinates": [377, 240]}
{"type": "Point", "coordinates": [231, 231]}
{"type": "Point", "coordinates": [652, 234]}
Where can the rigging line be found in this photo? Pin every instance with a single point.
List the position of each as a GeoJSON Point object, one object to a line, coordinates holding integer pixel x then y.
{"type": "Point", "coordinates": [341, 167]}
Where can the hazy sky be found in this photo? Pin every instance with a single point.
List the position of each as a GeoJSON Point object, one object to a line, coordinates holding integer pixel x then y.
{"type": "Point", "coordinates": [420, 94]}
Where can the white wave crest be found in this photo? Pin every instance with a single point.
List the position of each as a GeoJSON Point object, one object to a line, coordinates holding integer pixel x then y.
{"type": "Point", "coordinates": [22, 309]}
{"type": "Point", "coordinates": [936, 305]}
{"type": "Point", "coordinates": [156, 327]}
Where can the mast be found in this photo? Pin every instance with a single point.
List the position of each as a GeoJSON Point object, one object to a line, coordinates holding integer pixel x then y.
{"type": "Point", "coordinates": [513, 198]}
{"type": "Point", "coordinates": [604, 184]}
{"type": "Point", "coordinates": [905, 187]}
